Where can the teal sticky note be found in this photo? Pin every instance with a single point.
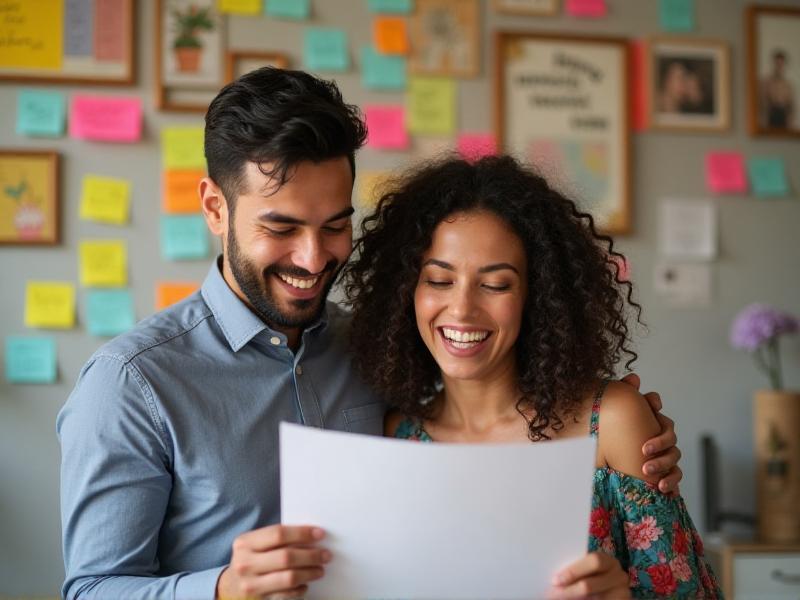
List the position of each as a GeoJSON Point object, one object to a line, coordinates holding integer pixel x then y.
{"type": "Point", "coordinates": [184, 237]}
{"type": "Point", "coordinates": [325, 49]}
{"type": "Point", "coordinates": [395, 7]}
{"type": "Point", "coordinates": [382, 71]}
{"type": "Point", "coordinates": [676, 15]}
{"type": "Point", "coordinates": [109, 312]}
{"type": "Point", "coordinates": [30, 359]}
{"type": "Point", "coordinates": [768, 176]}
{"type": "Point", "coordinates": [41, 113]}
{"type": "Point", "coordinates": [297, 10]}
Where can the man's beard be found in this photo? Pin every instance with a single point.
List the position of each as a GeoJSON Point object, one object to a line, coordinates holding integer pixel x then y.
{"type": "Point", "coordinates": [255, 287]}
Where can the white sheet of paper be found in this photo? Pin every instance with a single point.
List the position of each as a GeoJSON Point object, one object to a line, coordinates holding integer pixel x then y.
{"type": "Point", "coordinates": [684, 285]}
{"type": "Point", "coordinates": [447, 521]}
{"type": "Point", "coordinates": [688, 229]}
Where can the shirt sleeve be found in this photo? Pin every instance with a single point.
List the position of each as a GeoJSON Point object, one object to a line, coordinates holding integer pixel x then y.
{"type": "Point", "coordinates": [115, 486]}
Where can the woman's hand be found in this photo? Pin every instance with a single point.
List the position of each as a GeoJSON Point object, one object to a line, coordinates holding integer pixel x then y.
{"type": "Point", "coordinates": [596, 575]}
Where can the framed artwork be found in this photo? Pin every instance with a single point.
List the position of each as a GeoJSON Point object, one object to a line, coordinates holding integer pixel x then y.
{"type": "Point", "coordinates": [29, 202]}
{"type": "Point", "coordinates": [190, 66]}
{"type": "Point", "coordinates": [561, 105]}
{"type": "Point", "coordinates": [239, 62]}
{"type": "Point", "coordinates": [527, 7]}
{"type": "Point", "coordinates": [773, 70]}
{"type": "Point", "coordinates": [444, 37]}
{"type": "Point", "coordinates": [689, 84]}
{"type": "Point", "coordinates": [68, 41]}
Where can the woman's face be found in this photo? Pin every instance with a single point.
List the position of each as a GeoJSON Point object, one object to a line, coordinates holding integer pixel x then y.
{"type": "Point", "coordinates": [470, 295]}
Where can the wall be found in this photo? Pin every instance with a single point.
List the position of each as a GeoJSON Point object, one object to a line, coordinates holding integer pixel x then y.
{"type": "Point", "coordinates": [706, 386]}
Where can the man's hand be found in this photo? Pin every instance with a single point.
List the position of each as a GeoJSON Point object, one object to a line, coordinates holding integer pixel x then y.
{"type": "Point", "coordinates": [273, 562]}
{"type": "Point", "coordinates": [662, 449]}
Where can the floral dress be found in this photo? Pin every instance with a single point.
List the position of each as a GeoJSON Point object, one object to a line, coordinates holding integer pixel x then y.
{"type": "Point", "coordinates": [650, 534]}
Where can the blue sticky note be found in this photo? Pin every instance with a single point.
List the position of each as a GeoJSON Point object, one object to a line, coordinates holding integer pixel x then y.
{"type": "Point", "coordinates": [109, 312]}
{"type": "Point", "coordinates": [325, 49]}
{"type": "Point", "coordinates": [184, 237]}
{"type": "Point", "coordinates": [41, 113]}
{"type": "Point", "coordinates": [396, 7]}
{"type": "Point", "coordinates": [30, 359]}
{"type": "Point", "coordinates": [382, 71]}
{"type": "Point", "coordinates": [768, 176]}
{"type": "Point", "coordinates": [676, 15]}
{"type": "Point", "coordinates": [288, 9]}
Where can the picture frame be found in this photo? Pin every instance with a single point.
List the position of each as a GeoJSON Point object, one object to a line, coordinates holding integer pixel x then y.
{"type": "Point", "coordinates": [689, 84]}
{"type": "Point", "coordinates": [64, 42]}
{"type": "Point", "coordinates": [444, 36]}
{"type": "Point", "coordinates": [190, 54]}
{"type": "Point", "coordinates": [239, 62]}
{"type": "Point", "coordinates": [772, 37]}
{"type": "Point", "coordinates": [562, 106]}
{"type": "Point", "coordinates": [527, 7]}
{"type": "Point", "coordinates": [30, 211]}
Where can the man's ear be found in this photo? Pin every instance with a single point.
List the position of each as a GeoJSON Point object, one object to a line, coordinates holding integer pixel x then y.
{"type": "Point", "coordinates": [214, 206]}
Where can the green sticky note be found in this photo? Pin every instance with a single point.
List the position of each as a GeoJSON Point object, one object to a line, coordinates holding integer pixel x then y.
{"type": "Point", "coordinates": [184, 237]}
{"type": "Point", "coordinates": [431, 105]}
{"type": "Point", "coordinates": [382, 71]}
{"type": "Point", "coordinates": [396, 7]}
{"type": "Point", "coordinates": [325, 49]}
{"type": "Point", "coordinates": [109, 312]}
{"type": "Point", "coordinates": [182, 148]}
{"type": "Point", "coordinates": [30, 359]}
{"type": "Point", "coordinates": [41, 113]}
{"type": "Point", "coordinates": [768, 176]}
{"type": "Point", "coordinates": [288, 9]}
{"type": "Point", "coordinates": [676, 15]}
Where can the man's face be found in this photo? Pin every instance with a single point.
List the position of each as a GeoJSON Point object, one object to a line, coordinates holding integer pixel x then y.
{"type": "Point", "coordinates": [283, 248]}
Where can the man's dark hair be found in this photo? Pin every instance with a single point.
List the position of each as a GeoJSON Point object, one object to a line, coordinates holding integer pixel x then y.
{"type": "Point", "coordinates": [280, 117]}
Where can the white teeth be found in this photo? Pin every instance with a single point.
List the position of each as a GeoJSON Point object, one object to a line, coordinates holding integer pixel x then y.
{"type": "Point", "coordinates": [302, 284]}
{"type": "Point", "coordinates": [464, 339]}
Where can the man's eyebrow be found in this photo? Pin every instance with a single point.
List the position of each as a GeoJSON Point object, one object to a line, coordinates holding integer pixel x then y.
{"type": "Point", "coordinates": [276, 217]}
{"type": "Point", "coordinates": [486, 269]}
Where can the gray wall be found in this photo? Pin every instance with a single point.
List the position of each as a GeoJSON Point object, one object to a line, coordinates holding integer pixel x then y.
{"type": "Point", "coordinates": [706, 386]}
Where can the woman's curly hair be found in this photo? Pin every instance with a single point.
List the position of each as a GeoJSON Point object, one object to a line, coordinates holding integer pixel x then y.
{"type": "Point", "coordinates": [574, 328]}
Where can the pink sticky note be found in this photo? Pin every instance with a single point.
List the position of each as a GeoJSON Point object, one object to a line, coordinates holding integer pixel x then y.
{"type": "Point", "coordinates": [725, 173]}
{"type": "Point", "coordinates": [107, 119]}
{"type": "Point", "coordinates": [594, 9]}
{"type": "Point", "coordinates": [473, 146]}
{"type": "Point", "coordinates": [639, 96]}
{"type": "Point", "coordinates": [387, 127]}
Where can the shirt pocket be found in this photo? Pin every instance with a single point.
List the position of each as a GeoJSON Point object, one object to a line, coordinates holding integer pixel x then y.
{"type": "Point", "coordinates": [365, 419]}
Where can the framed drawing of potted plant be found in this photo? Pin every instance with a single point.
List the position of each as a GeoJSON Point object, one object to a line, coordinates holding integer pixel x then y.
{"type": "Point", "coordinates": [29, 202]}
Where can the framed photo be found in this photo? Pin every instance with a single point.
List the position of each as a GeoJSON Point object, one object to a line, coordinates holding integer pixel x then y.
{"type": "Point", "coordinates": [773, 70]}
{"type": "Point", "coordinates": [527, 7]}
{"type": "Point", "coordinates": [239, 62]}
{"type": "Point", "coordinates": [561, 105]}
{"type": "Point", "coordinates": [29, 202]}
{"type": "Point", "coordinates": [190, 65]}
{"type": "Point", "coordinates": [445, 38]}
{"type": "Point", "coordinates": [689, 84]}
{"type": "Point", "coordinates": [64, 41]}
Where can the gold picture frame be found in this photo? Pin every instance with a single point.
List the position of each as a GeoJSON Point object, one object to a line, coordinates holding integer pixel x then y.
{"type": "Point", "coordinates": [444, 36]}
{"type": "Point", "coordinates": [30, 211]}
{"type": "Point", "coordinates": [239, 62]}
{"type": "Point", "coordinates": [527, 7]}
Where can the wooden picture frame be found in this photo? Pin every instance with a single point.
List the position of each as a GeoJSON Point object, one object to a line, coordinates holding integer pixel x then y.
{"type": "Point", "coordinates": [445, 38]}
{"type": "Point", "coordinates": [30, 211]}
{"type": "Point", "coordinates": [239, 62]}
{"type": "Point", "coordinates": [689, 84]}
{"type": "Point", "coordinates": [63, 42]}
{"type": "Point", "coordinates": [772, 36]}
{"type": "Point", "coordinates": [527, 7]}
{"type": "Point", "coordinates": [562, 105]}
{"type": "Point", "coordinates": [190, 54]}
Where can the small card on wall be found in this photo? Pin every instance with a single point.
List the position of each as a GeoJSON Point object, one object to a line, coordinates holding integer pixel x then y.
{"type": "Point", "coordinates": [688, 229]}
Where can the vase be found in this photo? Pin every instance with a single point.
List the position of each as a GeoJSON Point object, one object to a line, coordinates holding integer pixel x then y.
{"type": "Point", "coordinates": [776, 429]}
{"type": "Point", "coordinates": [188, 59]}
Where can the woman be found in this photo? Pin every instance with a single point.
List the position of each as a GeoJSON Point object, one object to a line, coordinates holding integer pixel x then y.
{"type": "Point", "coordinates": [488, 309]}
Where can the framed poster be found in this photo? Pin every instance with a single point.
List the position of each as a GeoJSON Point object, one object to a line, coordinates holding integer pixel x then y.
{"type": "Point", "coordinates": [68, 41]}
{"type": "Point", "coordinates": [444, 36]}
{"type": "Point", "coordinates": [190, 67]}
{"type": "Point", "coordinates": [689, 84]}
{"type": "Point", "coordinates": [773, 70]}
{"type": "Point", "coordinates": [527, 7]}
{"type": "Point", "coordinates": [29, 202]}
{"type": "Point", "coordinates": [561, 105]}
{"type": "Point", "coordinates": [239, 62]}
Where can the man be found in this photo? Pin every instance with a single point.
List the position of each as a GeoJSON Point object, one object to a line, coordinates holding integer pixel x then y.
{"type": "Point", "coordinates": [169, 439]}
{"type": "Point", "coordinates": [777, 95]}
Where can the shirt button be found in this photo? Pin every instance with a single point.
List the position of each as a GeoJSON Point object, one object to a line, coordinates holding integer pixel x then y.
{"type": "Point", "coordinates": [298, 369]}
{"type": "Point", "coordinates": [275, 341]}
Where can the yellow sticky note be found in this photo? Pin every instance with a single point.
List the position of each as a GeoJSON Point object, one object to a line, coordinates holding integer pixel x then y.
{"type": "Point", "coordinates": [104, 263]}
{"type": "Point", "coordinates": [31, 34]}
{"type": "Point", "coordinates": [371, 186]}
{"type": "Point", "coordinates": [182, 148]}
{"type": "Point", "coordinates": [50, 304]}
{"type": "Point", "coordinates": [105, 199]}
{"type": "Point", "coordinates": [431, 105]}
{"type": "Point", "coordinates": [240, 7]}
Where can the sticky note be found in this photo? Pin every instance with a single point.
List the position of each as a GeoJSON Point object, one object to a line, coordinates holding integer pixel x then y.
{"type": "Point", "coordinates": [371, 186]}
{"type": "Point", "coordinates": [389, 35]}
{"type": "Point", "coordinates": [676, 15]}
{"type": "Point", "coordinates": [473, 146]}
{"type": "Point", "coordinates": [768, 176]}
{"type": "Point", "coordinates": [180, 195]}
{"type": "Point", "coordinates": [106, 119]}
{"type": "Point", "coordinates": [386, 126]}
{"type": "Point", "coordinates": [431, 105]}
{"type": "Point", "coordinates": [41, 113]}
{"type": "Point", "coordinates": [381, 72]}
{"type": "Point", "coordinates": [109, 312]}
{"type": "Point", "coordinates": [103, 263]}
{"type": "Point", "coordinates": [50, 304]}
{"type": "Point", "coordinates": [725, 173]}
{"type": "Point", "coordinates": [239, 7]}
{"type": "Point", "coordinates": [398, 7]}
{"type": "Point", "coordinates": [289, 9]}
{"type": "Point", "coordinates": [593, 9]}
{"type": "Point", "coordinates": [184, 237]}
{"type": "Point", "coordinates": [325, 49]}
{"type": "Point", "coordinates": [182, 148]}
{"type": "Point", "coordinates": [105, 199]}
{"type": "Point", "coordinates": [168, 293]}
{"type": "Point", "coordinates": [30, 359]}
{"type": "Point", "coordinates": [32, 34]}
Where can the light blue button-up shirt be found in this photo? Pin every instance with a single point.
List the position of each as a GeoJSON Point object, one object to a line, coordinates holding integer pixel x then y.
{"type": "Point", "coordinates": [170, 441]}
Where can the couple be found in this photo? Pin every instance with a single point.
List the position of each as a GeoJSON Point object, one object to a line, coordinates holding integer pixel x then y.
{"type": "Point", "coordinates": [169, 479]}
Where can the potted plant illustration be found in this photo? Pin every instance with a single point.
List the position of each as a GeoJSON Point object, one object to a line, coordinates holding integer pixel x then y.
{"type": "Point", "coordinates": [188, 46]}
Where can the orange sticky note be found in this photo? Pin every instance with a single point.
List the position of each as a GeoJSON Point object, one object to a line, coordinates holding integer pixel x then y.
{"type": "Point", "coordinates": [180, 191]}
{"type": "Point", "coordinates": [390, 35]}
{"type": "Point", "coordinates": [168, 293]}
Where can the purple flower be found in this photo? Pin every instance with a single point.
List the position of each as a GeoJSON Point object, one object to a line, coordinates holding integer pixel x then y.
{"type": "Point", "coordinates": [757, 324]}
